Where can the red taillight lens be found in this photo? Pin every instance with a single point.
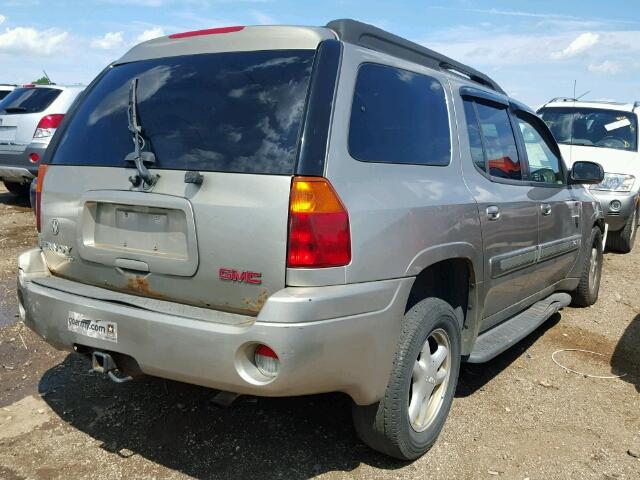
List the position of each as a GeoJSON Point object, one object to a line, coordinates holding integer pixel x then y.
{"type": "Point", "coordinates": [266, 361]}
{"type": "Point", "coordinates": [34, 157]}
{"type": "Point", "coordinates": [48, 125]}
{"type": "Point", "coordinates": [319, 233]}
{"type": "Point", "coordinates": [42, 170]}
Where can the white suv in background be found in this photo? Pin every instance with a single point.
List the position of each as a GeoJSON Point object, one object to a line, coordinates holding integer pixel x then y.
{"type": "Point", "coordinates": [606, 133]}
{"type": "Point", "coordinates": [29, 116]}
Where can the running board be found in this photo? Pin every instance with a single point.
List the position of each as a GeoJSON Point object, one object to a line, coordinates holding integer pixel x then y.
{"type": "Point", "coordinates": [495, 341]}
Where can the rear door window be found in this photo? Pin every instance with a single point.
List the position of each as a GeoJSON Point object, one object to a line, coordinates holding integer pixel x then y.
{"type": "Point", "coordinates": [499, 142]}
{"type": "Point", "coordinates": [28, 100]}
{"type": "Point", "coordinates": [398, 116]}
{"type": "Point", "coordinates": [227, 112]}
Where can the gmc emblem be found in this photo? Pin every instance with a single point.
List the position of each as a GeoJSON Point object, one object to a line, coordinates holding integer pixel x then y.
{"type": "Point", "coordinates": [231, 275]}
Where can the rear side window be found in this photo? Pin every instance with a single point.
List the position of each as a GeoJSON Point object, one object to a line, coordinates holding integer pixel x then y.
{"type": "Point", "coordinates": [4, 93]}
{"type": "Point", "coordinates": [499, 142]}
{"type": "Point", "coordinates": [399, 116]}
{"type": "Point", "coordinates": [227, 112]}
{"type": "Point", "coordinates": [28, 100]}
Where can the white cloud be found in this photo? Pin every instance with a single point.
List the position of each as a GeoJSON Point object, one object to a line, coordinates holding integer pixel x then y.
{"type": "Point", "coordinates": [22, 40]}
{"type": "Point", "coordinates": [607, 67]}
{"type": "Point", "coordinates": [2, 19]}
{"type": "Point", "coordinates": [262, 18]}
{"type": "Point", "coordinates": [150, 34]}
{"type": "Point", "coordinates": [581, 44]}
{"type": "Point", "coordinates": [110, 41]}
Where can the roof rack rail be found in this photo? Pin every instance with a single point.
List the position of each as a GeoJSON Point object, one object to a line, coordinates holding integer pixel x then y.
{"type": "Point", "coordinates": [368, 36]}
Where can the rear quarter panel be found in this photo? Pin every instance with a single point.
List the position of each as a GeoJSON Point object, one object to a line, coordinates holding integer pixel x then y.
{"type": "Point", "coordinates": [403, 217]}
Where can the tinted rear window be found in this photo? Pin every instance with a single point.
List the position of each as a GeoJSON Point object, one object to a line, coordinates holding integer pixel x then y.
{"type": "Point", "coordinates": [4, 93]}
{"type": "Point", "coordinates": [28, 100]}
{"type": "Point", "coordinates": [399, 116]}
{"type": "Point", "coordinates": [228, 112]}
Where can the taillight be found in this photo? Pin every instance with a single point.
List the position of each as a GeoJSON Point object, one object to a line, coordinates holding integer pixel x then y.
{"type": "Point", "coordinates": [267, 361]}
{"type": "Point", "coordinates": [207, 31]}
{"type": "Point", "coordinates": [319, 233]}
{"type": "Point", "coordinates": [42, 170]}
{"type": "Point", "coordinates": [48, 125]}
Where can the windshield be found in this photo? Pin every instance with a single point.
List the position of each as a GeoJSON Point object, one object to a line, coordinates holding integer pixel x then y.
{"type": "Point", "coordinates": [592, 127]}
{"type": "Point", "coordinates": [225, 112]}
{"type": "Point", "coordinates": [28, 100]}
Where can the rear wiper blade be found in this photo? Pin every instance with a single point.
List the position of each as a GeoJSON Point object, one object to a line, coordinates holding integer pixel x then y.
{"type": "Point", "coordinates": [138, 156]}
{"type": "Point", "coordinates": [15, 109]}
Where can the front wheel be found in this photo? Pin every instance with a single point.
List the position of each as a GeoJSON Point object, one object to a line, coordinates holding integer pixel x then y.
{"type": "Point", "coordinates": [409, 418]}
{"type": "Point", "coordinates": [586, 294]}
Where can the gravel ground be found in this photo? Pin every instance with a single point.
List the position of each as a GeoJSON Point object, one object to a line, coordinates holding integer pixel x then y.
{"type": "Point", "coordinates": [519, 416]}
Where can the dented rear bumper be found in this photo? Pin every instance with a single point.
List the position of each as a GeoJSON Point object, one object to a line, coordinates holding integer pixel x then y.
{"type": "Point", "coordinates": [337, 338]}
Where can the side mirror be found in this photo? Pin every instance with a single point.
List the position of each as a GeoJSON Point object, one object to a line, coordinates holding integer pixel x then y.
{"type": "Point", "coordinates": [586, 173]}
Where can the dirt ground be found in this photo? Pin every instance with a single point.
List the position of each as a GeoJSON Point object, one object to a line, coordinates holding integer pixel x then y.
{"type": "Point", "coordinates": [519, 416]}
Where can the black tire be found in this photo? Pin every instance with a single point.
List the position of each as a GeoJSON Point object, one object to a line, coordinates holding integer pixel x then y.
{"type": "Point", "coordinates": [586, 294]}
{"type": "Point", "coordinates": [385, 426]}
{"type": "Point", "coordinates": [18, 189]}
{"type": "Point", "coordinates": [623, 240]}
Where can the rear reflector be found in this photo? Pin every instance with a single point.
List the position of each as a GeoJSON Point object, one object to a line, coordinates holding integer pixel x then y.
{"type": "Point", "coordinates": [34, 157]}
{"type": "Point", "coordinates": [42, 170]}
{"type": "Point", "coordinates": [48, 125]}
{"type": "Point", "coordinates": [319, 234]}
{"type": "Point", "coordinates": [266, 361]}
{"type": "Point", "coordinates": [208, 31]}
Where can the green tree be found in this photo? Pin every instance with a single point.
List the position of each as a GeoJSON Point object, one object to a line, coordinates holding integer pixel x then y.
{"type": "Point", "coordinates": [41, 81]}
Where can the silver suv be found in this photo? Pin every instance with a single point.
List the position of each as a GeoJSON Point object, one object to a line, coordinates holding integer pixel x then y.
{"type": "Point", "coordinates": [29, 116]}
{"type": "Point", "coordinates": [605, 132]}
{"type": "Point", "coordinates": [282, 211]}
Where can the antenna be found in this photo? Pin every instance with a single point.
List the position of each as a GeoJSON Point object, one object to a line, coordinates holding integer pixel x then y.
{"type": "Point", "coordinates": [585, 93]}
{"type": "Point", "coordinates": [574, 88]}
{"type": "Point", "coordinates": [47, 77]}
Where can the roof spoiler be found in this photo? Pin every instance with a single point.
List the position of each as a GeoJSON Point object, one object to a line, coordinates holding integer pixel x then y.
{"type": "Point", "coordinates": [374, 38]}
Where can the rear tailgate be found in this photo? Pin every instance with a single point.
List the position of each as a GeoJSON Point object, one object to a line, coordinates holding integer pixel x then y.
{"type": "Point", "coordinates": [235, 118]}
{"type": "Point", "coordinates": [221, 246]}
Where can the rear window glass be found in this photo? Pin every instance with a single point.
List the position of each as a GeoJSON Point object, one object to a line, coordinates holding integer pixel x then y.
{"type": "Point", "coordinates": [28, 100]}
{"type": "Point", "coordinates": [4, 93]}
{"type": "Point", "coordinates": [399, 116]}
{"type": "Point", "coordinates": [228, 112]}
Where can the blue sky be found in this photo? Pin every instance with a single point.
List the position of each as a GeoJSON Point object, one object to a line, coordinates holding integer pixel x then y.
{"type": "Point", "coordinates": [534, 49]}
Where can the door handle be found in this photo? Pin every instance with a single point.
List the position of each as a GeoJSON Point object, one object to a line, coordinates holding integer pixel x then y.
{"type": "Point", "coordinates": [546, 209]}
{"type": "Point", "coordinates": [493, 212]}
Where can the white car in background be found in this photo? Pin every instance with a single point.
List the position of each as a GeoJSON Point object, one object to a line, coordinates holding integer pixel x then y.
{"type": "Point", "coordinates": [29, 116]}
{"type": "Point", "coordinates": [6, 89]}
{"type": "Point", "coordinates": [606, 133]}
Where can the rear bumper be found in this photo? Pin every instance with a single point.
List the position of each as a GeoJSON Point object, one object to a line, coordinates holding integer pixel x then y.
{"type": "Point", "coordinates": [617, 219]}
{"type": "Point", "coordinates": [16, 166]}
{"type": "Point", "coordinates": [346, 351]}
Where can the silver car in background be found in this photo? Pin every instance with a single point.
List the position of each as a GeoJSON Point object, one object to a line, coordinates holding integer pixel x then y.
{"type": "Point", "coordinates": [29, 116]}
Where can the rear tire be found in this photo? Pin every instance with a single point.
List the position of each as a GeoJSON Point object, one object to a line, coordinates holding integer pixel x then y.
{"type": "Point", "coordinates": [18, 189]}
{"type": "Point", "coordinates": [426, 366]}
{"type": "Point", "coordinates": [623, 240]}
{"type": "Point", "coordinates": [586, 294]}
